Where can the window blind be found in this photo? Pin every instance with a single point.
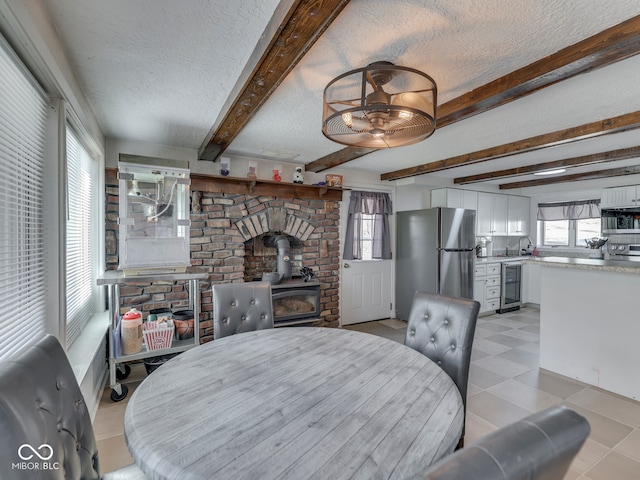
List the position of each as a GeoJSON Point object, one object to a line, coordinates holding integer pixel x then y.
{"type": "Point", "coordinates": [81, 234]}
{"type": "Point", "coordinates": [23, 119]}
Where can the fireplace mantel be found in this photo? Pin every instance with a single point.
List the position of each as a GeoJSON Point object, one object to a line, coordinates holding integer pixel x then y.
{"type": "Point", "coordinates": [244, 186]}
{"type": "Point", "coordinates": [237, 185]}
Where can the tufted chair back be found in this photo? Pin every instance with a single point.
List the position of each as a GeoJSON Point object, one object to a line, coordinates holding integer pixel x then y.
{"type": "Point", "coordinates": [442, 328]}
{"type": "Point", "coordinates": [538, 447]}
{"type": "Point", "coordinates": [241, 307]}
{"type": "Point", "coordinates": [42, 414]}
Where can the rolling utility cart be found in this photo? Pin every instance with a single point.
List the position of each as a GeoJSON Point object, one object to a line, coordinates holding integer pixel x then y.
{"type": "Point", "coordinates": [117, 370]}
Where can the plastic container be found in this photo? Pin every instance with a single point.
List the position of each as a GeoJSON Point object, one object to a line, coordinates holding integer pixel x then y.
{"type": "Point", "coordinates": [183, 322]}
{"type": "Point", "coordinates": [156, 313]}
{"type": "Point", "coordinates": [152, 363]}
{"type": "Point", "coordinates": [131, 332]}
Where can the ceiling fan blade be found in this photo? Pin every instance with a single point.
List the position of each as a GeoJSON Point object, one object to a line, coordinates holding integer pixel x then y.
{"type": "Point", "coordinates": [373, 83]}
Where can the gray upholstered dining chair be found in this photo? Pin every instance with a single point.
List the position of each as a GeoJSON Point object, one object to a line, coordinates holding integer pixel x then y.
{"type": "Point", "coordinates": [538, 447]}
{"type": "Point", "coordinates": [442, 328]}
{"type": "Point", "coordinates": [44, 419]}
{"type": "Point", "coordinates": [241, 307]}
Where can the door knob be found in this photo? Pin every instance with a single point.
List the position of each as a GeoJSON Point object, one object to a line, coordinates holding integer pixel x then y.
{"type": "Point", "coordinates": [346, 265]}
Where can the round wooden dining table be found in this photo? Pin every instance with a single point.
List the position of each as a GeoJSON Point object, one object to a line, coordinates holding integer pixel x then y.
{"type": "Point", "coordinates": [294, 403]}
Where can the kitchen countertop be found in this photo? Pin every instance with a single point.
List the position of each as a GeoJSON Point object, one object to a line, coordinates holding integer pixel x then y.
{"type": "Point", "coordinates": [481, 260]}
{"type": "Point", "coordinates": [620, 266]}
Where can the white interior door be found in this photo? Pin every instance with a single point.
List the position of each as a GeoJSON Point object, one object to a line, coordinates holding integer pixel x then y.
{"type": "Point", "coordinates": [366, 285]}
{"type": "Point", "coordinates": [366, 290]}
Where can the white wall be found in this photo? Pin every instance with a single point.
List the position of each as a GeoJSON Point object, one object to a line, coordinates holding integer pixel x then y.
{"type": "Point", "coordinates": [412, 198]}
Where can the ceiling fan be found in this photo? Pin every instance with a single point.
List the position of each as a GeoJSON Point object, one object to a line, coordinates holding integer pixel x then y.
{"type": "Point", "coordinates": [380, 106]}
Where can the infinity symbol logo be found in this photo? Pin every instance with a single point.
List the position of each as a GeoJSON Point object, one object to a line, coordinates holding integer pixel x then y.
{"type": "Point", "coordinates": [47, 451]}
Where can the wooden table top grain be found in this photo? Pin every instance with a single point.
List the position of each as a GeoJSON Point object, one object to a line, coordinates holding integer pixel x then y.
{"type": "Point", "coordinates": [294, 403]}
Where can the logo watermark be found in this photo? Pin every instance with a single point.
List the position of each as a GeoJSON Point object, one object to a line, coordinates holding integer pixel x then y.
{"type": "Point", "coordinates": [35, 458]}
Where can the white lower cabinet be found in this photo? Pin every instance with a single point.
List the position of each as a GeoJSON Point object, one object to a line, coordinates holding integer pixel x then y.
{"type": "Point", "coordinates": [531, 284]}
{"type": "Point", "coordinates": [492, 292]}
{"type": "Point", "coordinates": [486, 287]}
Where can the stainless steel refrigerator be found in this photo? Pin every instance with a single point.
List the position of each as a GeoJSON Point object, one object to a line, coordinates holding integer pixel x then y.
{"type": "Point", "coordinates": [435, 254]}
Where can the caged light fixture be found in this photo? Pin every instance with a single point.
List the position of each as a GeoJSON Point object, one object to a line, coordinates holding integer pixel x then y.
{"type": "Point", "coordinates": [379, 106]}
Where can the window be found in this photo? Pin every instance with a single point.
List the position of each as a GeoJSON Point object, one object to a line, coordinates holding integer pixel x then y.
{"type": "Point", "coordinates": [367, 235]}
{"type": "Point", "coordinates": [366, 238]}
{"type": "Point", "coordinates": [82, 235]}
{"type": "Point", "coordinates": [586, 229]}
{"type": "Point", "coordinates": [569, 233]}
{"type": "Point", "coordinates": [569, 224]}
{"type": "Point", "coordinates": [555, 232]}
{"type": "Point", "coordinates": [23, 125]}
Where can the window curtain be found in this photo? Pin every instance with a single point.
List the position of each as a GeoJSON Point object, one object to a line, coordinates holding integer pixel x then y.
{"type": "Point", "coordinates": [379, 206]}
{"type": "Point", "coordinates": [569, 210]}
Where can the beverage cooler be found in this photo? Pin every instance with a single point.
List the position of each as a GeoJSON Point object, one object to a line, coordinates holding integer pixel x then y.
{"type": "Point", "coordinates": [511, 288]}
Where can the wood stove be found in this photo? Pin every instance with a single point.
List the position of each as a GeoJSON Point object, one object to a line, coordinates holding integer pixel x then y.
{"type": "Point", "coordinates": [295, 302]}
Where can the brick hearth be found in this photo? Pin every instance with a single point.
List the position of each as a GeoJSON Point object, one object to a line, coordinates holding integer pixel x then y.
{"type": "Point", "coordinates": [226, 242]}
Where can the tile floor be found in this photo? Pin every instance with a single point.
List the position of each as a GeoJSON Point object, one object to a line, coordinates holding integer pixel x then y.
{"type": "Point", "coordinates": [505, 384]}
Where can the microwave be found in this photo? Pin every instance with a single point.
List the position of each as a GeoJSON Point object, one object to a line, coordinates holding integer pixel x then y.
{"type": "Point", "coordinates": [620, 220]}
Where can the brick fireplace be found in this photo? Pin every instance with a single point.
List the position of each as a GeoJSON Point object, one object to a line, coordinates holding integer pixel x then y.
{"type": "Point", "coordinates": [226, 242]}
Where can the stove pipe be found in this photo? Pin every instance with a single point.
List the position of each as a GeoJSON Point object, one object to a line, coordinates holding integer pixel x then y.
{"type": "Point", "coordinates": [284, 249]}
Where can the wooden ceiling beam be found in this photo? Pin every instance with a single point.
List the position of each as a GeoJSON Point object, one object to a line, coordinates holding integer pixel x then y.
{"type": "Point", "coordinates": [304, 23]}
{"type": "Point", "coordinates": [336, 159]}
{"type": "Point", "coordinates": [609, 46]}
{"type": "Point", "coordinates": [612, 172]}
{"type": "Point", "coordinates": [602, 157]}
{"type": "Point", "coordinates": [622, 123]}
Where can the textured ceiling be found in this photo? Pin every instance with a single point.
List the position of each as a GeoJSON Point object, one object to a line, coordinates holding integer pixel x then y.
{"type": "Point", "coordinates": [161, 71]}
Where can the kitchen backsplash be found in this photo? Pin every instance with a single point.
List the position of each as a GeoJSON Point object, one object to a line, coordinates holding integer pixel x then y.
{"type": "Point", "coordinates": [501, 244]}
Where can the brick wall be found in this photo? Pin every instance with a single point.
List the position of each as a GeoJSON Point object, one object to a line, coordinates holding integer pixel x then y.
{"type": "Point", "coordinates": [226, 243]}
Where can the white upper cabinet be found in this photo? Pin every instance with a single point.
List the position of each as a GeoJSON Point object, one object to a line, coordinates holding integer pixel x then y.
{"type": "Point", "coordinates": [491, 216]}
{"type": "Point", "coordinates": [518, 223]}
{"type": "Point", "coordinates": [620, 197]}
{"type": "Point", "coordinates": [454, 198]}
{"type": "Point", "coordinates": [500, 214]}
{"type": "Point", "coordinates": [496, 214]}
{"type": "Point", "coordinates": [484, 214]}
